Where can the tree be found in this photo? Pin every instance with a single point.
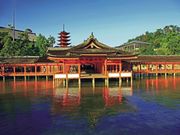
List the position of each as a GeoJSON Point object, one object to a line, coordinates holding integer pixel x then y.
{"type": "Point", "coordinates": [9, 47]}
{"type": "Point", "coordinates": [164, 41]}
{"type": "Point", "coordinates": [149, 50]}
{"type": "Point", "coordinates": [42, 44]}
{"type": "Point", "coordinates": [51, 41]}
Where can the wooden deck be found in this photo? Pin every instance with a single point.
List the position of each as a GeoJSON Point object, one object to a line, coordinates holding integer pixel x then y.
{"type": "Point", "coordinates": [90, 76]}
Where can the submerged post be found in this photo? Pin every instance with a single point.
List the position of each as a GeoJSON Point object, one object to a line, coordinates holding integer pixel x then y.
{"type": "Point", "coordinates": [93, 82]}
{"type": "Point", "coordinates": [4, 78]}
{"type": "Point", "coordinates": [79, 82]}
{"type": "Point", "coordinates": [107, 82]}
{"type": "Point", "coordinates": [120, 81]}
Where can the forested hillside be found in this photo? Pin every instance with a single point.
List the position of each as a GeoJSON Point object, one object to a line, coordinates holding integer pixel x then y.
{"type": "Point", "coordinates": [22, 46]}
{"type": "Point", "coordinates": [164, 41]}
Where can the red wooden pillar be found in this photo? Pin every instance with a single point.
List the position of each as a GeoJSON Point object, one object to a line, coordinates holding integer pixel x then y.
{"type": "Point", "coordinates": [116, 68]}
{"type": "Point", "coordinates": [47, 69]}
{"type": "Point", "coordinates": [64, 70]}
{"type": "Point", "coordinates": [79, 69]}
{"type": "Point", "coordinates": [173, 70]}
{"type": "Point", "coordinates": [105, 67]}
{"type": "Point", "coordinates": [24, 72]}
{"type": "Point", "coordinates": [147, 68]}
{"type": "Point", "coordinates": [120, 70]}
{"type": "Point", "coordinates": [3, 69]}
{"type": "Point", "coordinates": [24, 69]}
{"type": "Point", "coordinates": [120, 67]}
{"type": "Point", "coordinates": [14, 70]}
{"type": "Point", "coordinates": [35, 69]}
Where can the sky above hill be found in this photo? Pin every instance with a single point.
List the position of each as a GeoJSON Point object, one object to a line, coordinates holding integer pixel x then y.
{"type": "Point", "coordinates": [113, 22]}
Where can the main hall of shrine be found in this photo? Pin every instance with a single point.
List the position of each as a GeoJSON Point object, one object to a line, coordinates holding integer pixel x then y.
{"type": "Point", "coordinates": [90, 59]}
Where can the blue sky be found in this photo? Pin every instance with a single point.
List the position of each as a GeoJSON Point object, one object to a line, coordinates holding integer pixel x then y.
{"type": "Point", "coordinates": [113, 22]}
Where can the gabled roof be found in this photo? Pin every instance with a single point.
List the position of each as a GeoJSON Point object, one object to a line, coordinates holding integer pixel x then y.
{"type": "Point", "coordinates": [91, 46]}
{"type": "Point", "coordinates": [157, 58]}
{"type": "Point", "coordinates": [24, 60]}
{"type": "Point", "coordinates": [18, 59]}
{"type": "Point", "coordinates": [92, 43]}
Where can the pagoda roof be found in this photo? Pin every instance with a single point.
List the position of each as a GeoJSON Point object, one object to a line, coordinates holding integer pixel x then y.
{"type": "Point", "coordinates": [64, 33]}
{"type": "Point", "coordinates": [91, 46]}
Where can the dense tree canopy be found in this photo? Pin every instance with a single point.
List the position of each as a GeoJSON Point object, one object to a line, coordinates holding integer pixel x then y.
{"type": "Point", "coordinates": [22, 46]}
{"type": "Point", "coordinates": [164, 41]}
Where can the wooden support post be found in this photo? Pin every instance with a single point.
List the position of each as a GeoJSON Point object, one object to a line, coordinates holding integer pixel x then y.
{"type": "Point", "coordinates": [131, 78]}
{"type": "Point", "coordinates": [25, 73]}
{"type": "Point", "coordinates": [64, 82]}
{"type": "Point", "coordinates": [14, 73]}
{"type": "Point", "coordinates": [140, 70]}
{"type": "Point", "coordinates": [35, 78]}
{"type": "Point", "coordinates": [156, 70]}
{"type": "Point", "coordinates": [79, 69]}
{"type": "Point", "coordinates": [147, 70]}
{"type": "Point", "coordinates": [165, 70]}
{"type": "Point", "coordinates": [107, 82]}
{"type": "Point", "coordinates": [93, 82]}
{"type": "Point", "coordinates": [120, 70]}
{"type": "Point", "coordinates": [35, 68]}
{"type": "Point", "coordinates": [14, 70]}
{"type": "Point", "coordinates": [105, 67]}
{"type": "Point", "coordinates": [174, 74]}
{"type": "Point", "coordinates": [67, 82]}
{"type": "Point", "coordinates": [3, 73]}
{"type": "Point", "coordinates": [46, 78]}
{"type": "Point", "coordinates": [79, 82]}
{"type": "Point", "coordinates": [127, 79]}
{"type": "Point", "coordinates": [120, 81]}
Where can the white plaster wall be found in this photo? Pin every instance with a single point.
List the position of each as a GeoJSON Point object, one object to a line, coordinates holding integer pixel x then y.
{"type": "Point", "coordinates": [128, 74]}
{"type": "Point", "coordinates": [60, 76]}
{"type": "Point", "coordinates": [73, 75]}
{"type": "Point", "coordinates": [113, 74]}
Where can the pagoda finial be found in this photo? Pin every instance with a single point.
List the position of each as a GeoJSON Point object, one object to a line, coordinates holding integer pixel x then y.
{"type": "Point", "coordinates": [92, 35]}
{"type": "Point", "coordinates": [63, 27]}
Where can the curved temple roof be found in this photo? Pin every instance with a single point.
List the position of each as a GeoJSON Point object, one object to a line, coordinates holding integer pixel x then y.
{"type": "Point", "coordinates": [91, 46]}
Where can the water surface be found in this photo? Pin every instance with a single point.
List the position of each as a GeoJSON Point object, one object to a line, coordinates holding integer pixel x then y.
{"type": "Point", "coordinates": [150, 106]}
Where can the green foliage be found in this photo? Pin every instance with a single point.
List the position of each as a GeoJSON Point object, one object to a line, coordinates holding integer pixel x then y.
{"type": "Point", "coordinates": [164, 41]}
{"type": "Point", "coordinates": [22, 46]}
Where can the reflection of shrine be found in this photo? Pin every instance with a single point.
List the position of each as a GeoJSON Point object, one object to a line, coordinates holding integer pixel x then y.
{"type": "Point", "coordinates": [115, 95]}
{"type": "Point", "coordinates": [161, 83]}
{"type": "Point", "coordinates": [27, 88]}
{"type": "Point", "coordinates": [67, 96]}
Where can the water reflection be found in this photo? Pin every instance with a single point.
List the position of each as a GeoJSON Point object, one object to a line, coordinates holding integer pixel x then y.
{"type": "Point", "coordinates": [49, 107]}
{"type": "Point", "coordinates": [164, 91]}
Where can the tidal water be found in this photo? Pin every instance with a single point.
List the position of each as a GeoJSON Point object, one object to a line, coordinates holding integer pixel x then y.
{"type": "Point", "coordinates": [148, 107]}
